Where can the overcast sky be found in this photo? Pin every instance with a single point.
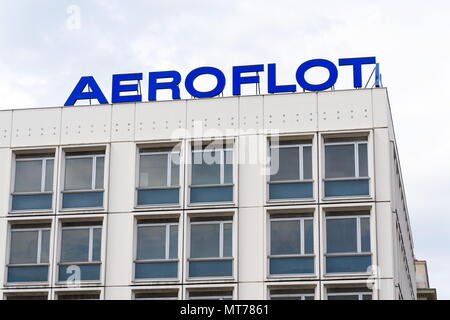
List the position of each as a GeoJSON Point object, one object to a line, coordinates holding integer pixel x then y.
{"type": "Point", "coordinates": [46, 45]}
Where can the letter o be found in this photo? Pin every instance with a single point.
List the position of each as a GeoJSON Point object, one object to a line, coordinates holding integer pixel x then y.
{"type": "Point", "coordinates": [189, 82]}
{"type": "Point", "coordinates": [300, 74]}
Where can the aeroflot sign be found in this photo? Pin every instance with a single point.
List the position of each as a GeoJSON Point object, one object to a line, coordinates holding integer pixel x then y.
{"type": "Point", "coordinates": [241, 75]}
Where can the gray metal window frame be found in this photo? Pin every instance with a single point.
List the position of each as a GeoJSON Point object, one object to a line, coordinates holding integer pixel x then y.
{"type": "Point", "coordinates": [355, 145]}
{"type": "Point", "coordinates": [94, 158]}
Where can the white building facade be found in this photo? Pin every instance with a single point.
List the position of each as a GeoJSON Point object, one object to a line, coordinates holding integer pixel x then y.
{"type": "Point", "coordinates": [282, 196]}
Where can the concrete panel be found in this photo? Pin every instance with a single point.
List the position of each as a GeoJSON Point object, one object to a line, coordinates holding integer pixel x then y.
{"type": "Point", "coordinates": [119, 249]}
{"type": "Point", "coordinates": [5, 128]}
{"type": "Point", "coordinates": [160, 120]}
{"type": "Point", "coordinates": [343, 110]}
{"type": "Point", "coordinates": [380, 105]}
{"type": "Point", "coordinates": [252, 153]}
{"type": "Point", "coordinates": [36, 127]}
{"type": "Point", "coordinates": [122, 177]}
{"type": "Point", "coordinates": [3, 241]}
{"type": "Point", "coordinates": [251, 291]}
{"type": "Point", "coordinates": [251, 114]}
{"type": "Point", "coordinates": [122, 122]}
{"type": "Point", "coordinates": [251, 255]}
{"type": "Point", "coordinates": [5, 180]}
{"type": "Point", "coordinates": [118, 293]}
{"type": "Point", "coordinates": [291, 112]}
{"type": "Point", "coordinates": [382, 154]}
{"type": "Point", "coordinates": [385, 240]}
{"type": "Point", "coordinates": [212, 117]}
{"type": "Point", "coordinates": [387, 290]}
{"type": "Point", "coordinates": [87, 124]}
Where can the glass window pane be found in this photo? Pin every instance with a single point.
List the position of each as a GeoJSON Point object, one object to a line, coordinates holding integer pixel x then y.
{"type": "Point", "coordinates": [151, 242]}
{"type": "Point", "coordinates": [309, 237]}
{"type": "Point", "coordinates": [284, 164]}
{"type": "Point", "coordinates": [45, 246]}
{"type": "Point", "coordinates": [175, 169]}
{"type": "Point", "coordinates": [228, 167]}
{"type": "Point", "coordinates": [23, 247]}
{"type": "Point", "coordinates": [173, 248]}
{"type": "Point", "coordinates": [339, 161]}
{"type": "Point", "coordinates": [75, 245]}
{"type": "Point", "coordinates": [205, 240]}
{"type": "Point", "coordinates": [227, 240]}
{"type": "Point", "coordinates": [307, 163]}
{"type": "Point", "coordinates": [365, 234]}
{"type": "Point", "coordinates": [285, 237]}
{"type": "Point", "coordinates": [99, 172]}
{"type": "Point", "coordinates": [206, 167]}
{"type": "Point", "coordinates": [363, 162]}
{"type": "Point", "coordinates": [49, 175]}
{"type": "Point", "coordinates": [97, 245]}
{"type": "Point", "coordinates": [341, 235]}
{"type": "Point", "coordinates": [153, 170]}
{"type": "Point", "coordinates": [78, 174]}
{"type": "Point", "coordinates": [28, 176]}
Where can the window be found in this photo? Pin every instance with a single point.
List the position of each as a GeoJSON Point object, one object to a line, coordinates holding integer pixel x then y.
{"type": "Point", "coordinates": [83, 180]}
{"type": "Point", "coordinates": [156, 295]}
{"type": "Point", "coordinates": [291, 294]}
{"type": "Point", "coordinates": [78, 296]}
{"type": "Point", "coordinates": [33, 182]}
{"type": "Point", "coordinates": [80, 256]}
{"type": "Point", "coordinates": [290, 170]}
{"type": "Point", "coordinates": [211, 248]}
{"type": "Point", "coordinates": [348, 243]}
{"type": "Point", "coordinates": [159, 176]}
{"type": "Point", "coordinates": [346, 167]}
{"type": "Point", "coordinates": [211, 174]}
{"type": "Point", "coordinates": [291, 245]}
{"type": "Point", "coordinates": [211, 295]}
{"type": "Point", "coordinates": [156, 249]}
{"type": "Point", "coordinates": [29, 253]}
{"type": "Point", "coordinates": [349, 294]}
{"type": "Point", "coordinates": [27, 296]}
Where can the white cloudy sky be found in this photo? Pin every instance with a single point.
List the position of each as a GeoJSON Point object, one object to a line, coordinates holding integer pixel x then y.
{"type": "Point", "coordinates": [41, 59]}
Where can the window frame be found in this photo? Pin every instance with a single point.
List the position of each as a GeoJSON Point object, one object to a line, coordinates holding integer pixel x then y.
{"type": "Point", "coordinates": [91, 245]}
{"type": "Point", "coordinates": [215, 290]}
{"type": "Point", "coordinates": [355, 144]}
{"type": "Point", "coordinates": [358, 216]}
{"type": "Point", "coordinates": [300, 295]}
{"type": "Point", "coordinates": [360, 294]}
{"type": "Point", "coordinates": [167, 248]}
{"type": "Point", "coordinates": [300, 147]}
{"type": "Point", "coordinates": [33, 156]}
{"type": "Point", "coordinates": [58, 264]}
{"type": "Point", "coordinates": [222, 151]}
{"type": "Point", "coordinates": [187, 247]}
{"type": "Point", "coordinates": [93, 172]}
{"type": "Point", "coordinates": [38, 253]}
{"type": "Point", "coordinates": [43, 160]}
{"type": "Point", "coordinates": [227, 144]}
{"type": "Point", "coordinates": [169, 169]}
